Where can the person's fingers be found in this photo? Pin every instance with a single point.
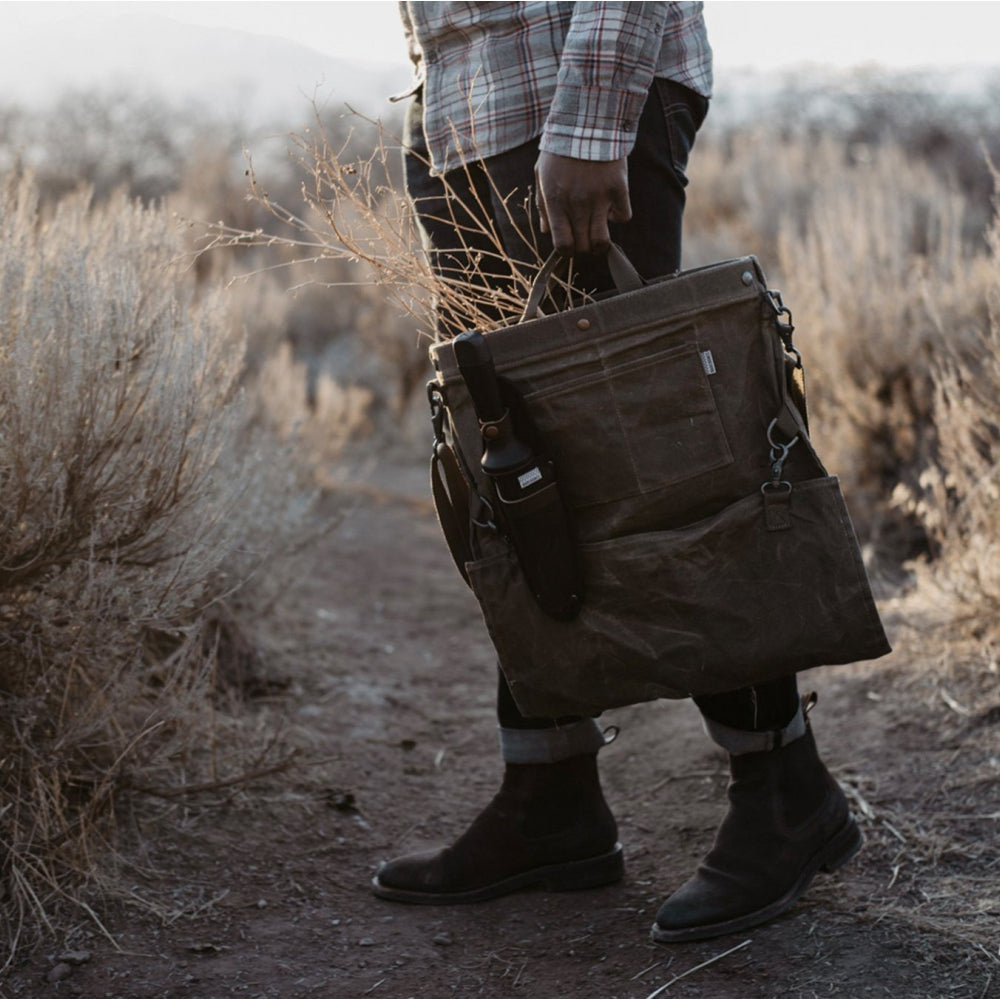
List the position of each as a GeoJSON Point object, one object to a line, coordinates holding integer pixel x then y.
{"type": "Point", "coordinates": [543, 215]}
{"type": "Point", "coordinates": [564, 229]}
{"type": "Point", "coordinates": [582, 213]}
{"type": "Point", "coordinates": [599, 237]}
{"type": "Point", "coordinates": [620, 209]}
{"type": "Point", "coordinates": [616, 209]}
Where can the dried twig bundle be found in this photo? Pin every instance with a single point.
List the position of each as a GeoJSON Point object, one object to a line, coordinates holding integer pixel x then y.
{"type": "Point", "coordinates": [354, 211]}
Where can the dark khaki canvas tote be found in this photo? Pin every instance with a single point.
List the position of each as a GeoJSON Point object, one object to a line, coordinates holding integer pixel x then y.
{"type": "Point", "coordinates": [716, 550]}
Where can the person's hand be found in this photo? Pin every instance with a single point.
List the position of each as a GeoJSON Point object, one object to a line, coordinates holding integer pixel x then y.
{"type": "Point", "coordinates": [577, 198]}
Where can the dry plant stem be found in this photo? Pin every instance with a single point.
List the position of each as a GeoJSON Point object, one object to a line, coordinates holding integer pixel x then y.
{"type": "Point", "coordinates": [212, 786]}
{"type": "Point", "coordinates": [655, 965]}
{"type": "Point", "coordinates": [697, 968]}
{"type": "Point", "coordinates": [356, 214]}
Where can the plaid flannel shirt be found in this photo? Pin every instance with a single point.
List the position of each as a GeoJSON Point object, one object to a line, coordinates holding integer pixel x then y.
{"type": "Point", "coordinates": [496, 75]}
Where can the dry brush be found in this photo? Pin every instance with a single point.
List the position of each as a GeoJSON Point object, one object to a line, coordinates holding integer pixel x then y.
{"type": "Point", "coordinates": [131, 502]}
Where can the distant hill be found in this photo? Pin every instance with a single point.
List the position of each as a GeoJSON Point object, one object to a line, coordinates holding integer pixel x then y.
{"type": "Point", "coordinates": [251, 77]}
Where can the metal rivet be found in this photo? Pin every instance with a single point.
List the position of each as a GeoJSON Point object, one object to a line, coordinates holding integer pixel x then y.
{"type": "Point", "coordinates": [747, 278]}
{"type": "Point", "coordinates": [583, 324]}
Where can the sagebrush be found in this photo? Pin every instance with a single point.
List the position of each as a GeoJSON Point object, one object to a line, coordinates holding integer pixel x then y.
{"type": "Point", "coordinates": [131, 502]}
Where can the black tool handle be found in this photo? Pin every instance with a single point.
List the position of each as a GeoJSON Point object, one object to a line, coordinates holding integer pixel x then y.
{"type": "Point", "coordinates": [475, 362]}
{"type": "Point", "coordinates": [524, 485]}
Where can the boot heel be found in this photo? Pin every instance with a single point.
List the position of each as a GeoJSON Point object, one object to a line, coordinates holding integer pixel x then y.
{"type": "Point", "coordinates": [587, 874]}
{"type": "Point", "coordinates": [843, 847]}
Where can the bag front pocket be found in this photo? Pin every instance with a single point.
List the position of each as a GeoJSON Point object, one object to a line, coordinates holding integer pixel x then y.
{"type": "Point", "coordinates": [717, 605]}
{"type": "Point", "coordinates": [634, 428]}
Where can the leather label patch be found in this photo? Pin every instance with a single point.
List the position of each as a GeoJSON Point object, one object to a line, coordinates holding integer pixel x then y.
{"type": "Point", "coordinates": [778, 508]}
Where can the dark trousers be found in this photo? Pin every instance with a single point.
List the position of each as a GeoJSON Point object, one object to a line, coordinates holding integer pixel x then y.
{"type": "Point", "coordinates": [480, 226]}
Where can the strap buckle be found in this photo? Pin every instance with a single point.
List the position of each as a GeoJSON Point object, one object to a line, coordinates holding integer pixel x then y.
{"type": "Point", "coordinates": [489, 523]}
{"type": "Point", "coordinates": [783, 317]}
{"type": "Point", "coordinates": [435, 399]}
{"type": "Point", "coordinates": [779, 452]}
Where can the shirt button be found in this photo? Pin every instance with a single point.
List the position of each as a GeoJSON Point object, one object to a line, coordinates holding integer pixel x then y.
{"type": "Point", "coordinates": [431, 55]}
{"type": "Point", "coordinates": [628, 125]}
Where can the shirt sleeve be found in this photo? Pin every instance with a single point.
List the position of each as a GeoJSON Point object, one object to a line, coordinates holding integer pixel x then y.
{"type": "Point", "coordinates": [605, 72]}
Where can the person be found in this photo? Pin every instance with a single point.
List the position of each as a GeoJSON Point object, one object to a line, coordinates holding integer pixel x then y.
{"type": "Point", "coordinates": [543, 124]}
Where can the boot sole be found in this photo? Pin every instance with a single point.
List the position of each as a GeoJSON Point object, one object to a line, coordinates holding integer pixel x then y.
{"type": "Point", "coordinates": [569, 876]}
{"type": "Point", "coordinates": [834, 854]}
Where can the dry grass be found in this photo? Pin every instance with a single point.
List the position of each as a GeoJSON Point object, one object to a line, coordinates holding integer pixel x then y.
{"type": "Point", "coordinates": [930, 807]}
{"type": "Point", "coordinates": [131, 504]}
{"type": "Point", "coordinates": [901, 322]}
{"type": "Point", "coordinates": [958, 500]}
{"type": "Point", "coordinates": [873, 271]}
{"type": "Point", "coordinates": [315, 411]}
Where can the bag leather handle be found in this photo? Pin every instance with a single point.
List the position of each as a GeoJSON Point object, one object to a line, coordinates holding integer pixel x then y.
{"type": "Point", "coordinates": [623, 274]}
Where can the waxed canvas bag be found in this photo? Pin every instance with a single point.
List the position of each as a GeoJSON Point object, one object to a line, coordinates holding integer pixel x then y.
{"type": "Point", "coordinates": [716, 550]}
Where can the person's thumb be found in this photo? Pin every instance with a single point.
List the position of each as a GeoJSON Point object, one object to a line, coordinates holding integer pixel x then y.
{"type": "Point", "coordinates": [621, 206]}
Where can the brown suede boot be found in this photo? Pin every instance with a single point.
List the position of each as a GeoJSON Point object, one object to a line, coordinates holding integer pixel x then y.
{"type": "Point", "coordinates": [548, 826]}
{"type": "Point", "coordinates": [787, 820]}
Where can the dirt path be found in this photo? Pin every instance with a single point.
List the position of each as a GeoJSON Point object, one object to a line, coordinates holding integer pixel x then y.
{"type": "Point", "coordinates": [392, 702]}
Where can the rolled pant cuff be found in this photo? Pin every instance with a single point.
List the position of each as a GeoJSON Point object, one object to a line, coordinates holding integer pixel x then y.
{"type": "Point", "coordinates": [547, 746]}
{"type": "Point", "coordinates": [741, 741]}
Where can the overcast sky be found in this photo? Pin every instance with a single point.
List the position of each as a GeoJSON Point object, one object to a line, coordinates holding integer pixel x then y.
{"type": "Point", "coordinates": [744, 34]}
